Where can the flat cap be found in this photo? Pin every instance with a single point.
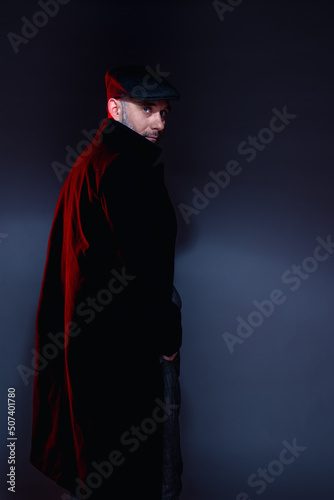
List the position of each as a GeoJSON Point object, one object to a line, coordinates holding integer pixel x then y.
{"type": "Point", "coordinates": [139, 82]}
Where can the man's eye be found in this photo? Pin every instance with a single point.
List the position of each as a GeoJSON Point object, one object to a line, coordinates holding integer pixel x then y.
{"type": "Point", "coordinates": [147, 110]}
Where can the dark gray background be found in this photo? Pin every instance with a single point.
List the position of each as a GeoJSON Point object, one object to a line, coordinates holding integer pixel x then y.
{"type": "Point", "coordinates": [277, 385]}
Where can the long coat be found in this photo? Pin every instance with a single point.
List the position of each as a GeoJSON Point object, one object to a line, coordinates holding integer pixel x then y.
{"type": "Point", "coordinates": [104, 317]}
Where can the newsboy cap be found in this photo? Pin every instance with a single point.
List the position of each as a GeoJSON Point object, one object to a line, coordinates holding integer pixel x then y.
{"type": "Point", "coordinates": [138, 82]}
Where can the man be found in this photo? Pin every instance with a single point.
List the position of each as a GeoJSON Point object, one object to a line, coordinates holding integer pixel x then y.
{"type": "Point", "coordinates": [106, 403]}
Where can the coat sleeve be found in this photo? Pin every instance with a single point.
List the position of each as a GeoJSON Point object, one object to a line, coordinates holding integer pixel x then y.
{"type": "Point", "coordinates": [138, 209]}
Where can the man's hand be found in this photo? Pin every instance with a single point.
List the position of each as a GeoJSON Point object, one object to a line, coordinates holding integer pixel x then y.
{"type": "Point", "coordinates": [169, 358]}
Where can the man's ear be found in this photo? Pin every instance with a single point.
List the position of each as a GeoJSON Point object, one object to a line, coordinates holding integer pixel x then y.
{"type": "Point", "coordinates": [115, 109]}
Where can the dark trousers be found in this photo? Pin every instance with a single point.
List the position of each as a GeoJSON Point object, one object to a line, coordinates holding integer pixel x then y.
{"type": "Point", "coordinates": [172, 458]}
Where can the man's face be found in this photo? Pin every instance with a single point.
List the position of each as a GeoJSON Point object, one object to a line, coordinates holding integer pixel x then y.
{"type": "Point", "coordinates": [147, 118]}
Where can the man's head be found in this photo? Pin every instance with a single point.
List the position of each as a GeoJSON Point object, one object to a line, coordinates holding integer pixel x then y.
{"type": "Point", "coordinates": [139, 98]}
{"type": "Point", "coordinates": [147, 118]}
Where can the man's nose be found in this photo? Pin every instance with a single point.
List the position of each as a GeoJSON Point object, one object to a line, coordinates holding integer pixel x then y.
{"type": "Point", "coordinates": [158, 123]}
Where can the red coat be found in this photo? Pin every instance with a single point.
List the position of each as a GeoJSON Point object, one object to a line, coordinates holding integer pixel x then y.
{"type": "Point", "coordinates": [104, 317]}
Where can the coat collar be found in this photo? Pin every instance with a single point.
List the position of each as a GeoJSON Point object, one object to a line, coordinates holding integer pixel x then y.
{"type": "Point", "coordinates": [121, 138]}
